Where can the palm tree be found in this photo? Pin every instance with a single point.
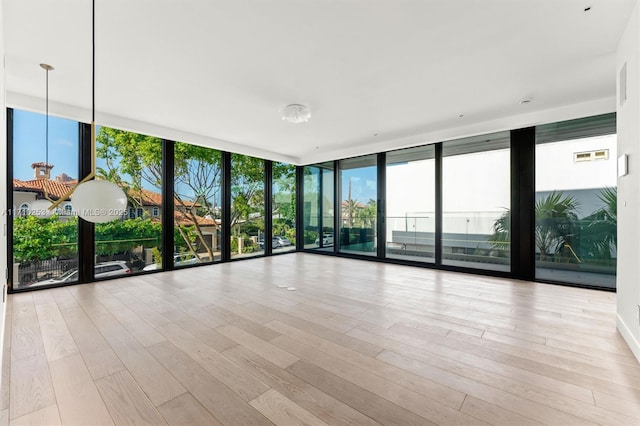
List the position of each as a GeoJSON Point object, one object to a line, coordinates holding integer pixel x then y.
{"type": "Point", "coordinates": [350, 210]}
{"type": "Point", "coordinates": [501, 238]}
{"type": "Point", "coordinates": [367, 214]}
{"type": "Point", "coordinates": [599, 229]}
{"type": "Point", "coordinates": [556, 225]}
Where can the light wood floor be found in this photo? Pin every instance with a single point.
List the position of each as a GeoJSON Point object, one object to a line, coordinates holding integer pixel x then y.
{"type": "Point", "coordinates": [356, 343]}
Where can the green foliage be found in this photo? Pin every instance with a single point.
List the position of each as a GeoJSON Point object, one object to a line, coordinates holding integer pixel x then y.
{"type": "Point", "coordinates": [561, 236]}
{"type": "Point", "coordinates": [129, 154]}
{"type": "Point", "coordinates": [39, 238]}
{"type": "Point", "coordinates": [556, 223]}
{"type": "Point", "coordinates": [310, 236]}
{"type": "Point", "coordinates": [284, 191]}
{"type": "Point", "coordinates": [247, 245]}
{"type": "Point", "coordinates": [598, 231]}
{"type": "Point", "coordinates": [186, 239]}
{"type": "Point", "coordinates": [366, 216]}
{"type": "Point", "coordinates": [247, 189]}
{"type": "Point", "coordinates": [501, 238]}
{"type": "Point", "coordinates": [121, 236]}
{"type": "Point", "coordinates": [157, 256]}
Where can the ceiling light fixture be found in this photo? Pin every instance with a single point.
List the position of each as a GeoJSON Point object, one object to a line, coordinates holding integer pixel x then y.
{"type": "Point", "coordinates": [97, 201]}
{"type": "Point", "coordinates": [296, 113]}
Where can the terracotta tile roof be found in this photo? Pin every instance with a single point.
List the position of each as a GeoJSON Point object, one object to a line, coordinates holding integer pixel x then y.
{"type": "Point", "coordinates": [184, 219]}
{"type": "Point", "coordinates": [150, 198]}
{"type": "Point", "coordinates": [55, 189]}
{"type": "Point", "coordinates": [146, 197]}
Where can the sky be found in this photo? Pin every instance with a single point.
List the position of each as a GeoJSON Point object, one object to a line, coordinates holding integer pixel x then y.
{"type": "Point", "coordinates": [29, 141]}
{"type": "Point", "coordinates": [29, 145]}
{"type": "Point", "coordinates": [363, 184]}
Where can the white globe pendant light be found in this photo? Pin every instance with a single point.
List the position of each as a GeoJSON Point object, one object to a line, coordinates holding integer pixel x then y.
{"type": "Point", "coordinates": [99, 201]}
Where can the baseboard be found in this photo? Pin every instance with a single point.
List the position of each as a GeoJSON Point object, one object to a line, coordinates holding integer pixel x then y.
{"type": "Point", "coordinates": [628, 336]}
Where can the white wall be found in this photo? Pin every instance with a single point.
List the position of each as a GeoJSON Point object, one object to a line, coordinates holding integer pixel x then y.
{"type": "Point", "coordinates": [628, 127]}
{"type": "Point", "coordinates": [556, 169]}
{"type": "Point", "coordinates": [3, 189]}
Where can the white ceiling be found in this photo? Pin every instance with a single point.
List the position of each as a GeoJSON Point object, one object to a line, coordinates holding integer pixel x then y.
{"type": "Point", "coordinates": [377, 74]}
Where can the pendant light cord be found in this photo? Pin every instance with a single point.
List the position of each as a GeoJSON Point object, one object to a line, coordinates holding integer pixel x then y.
{"type": "Point", "coordinates": [47, 169]}
{"type": "Point", "coordinates": [46, 127]}
{"type": "Point", "coordinates": [92, 173]}
{"type": "Point", "coordinates": [93, 64]}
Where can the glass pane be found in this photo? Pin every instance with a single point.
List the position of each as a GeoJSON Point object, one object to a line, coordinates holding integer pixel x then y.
{"type": "Point", "coordinates": [576, 202]}
{"type": "Point", "coordinates": [328, 208]}
{"type": "Point", "coordinates": [311, 214]}
{"type": "Point", "coordinates": [411, 217]}
{"type": "Point", "coordinates": [247, 206]}
{"type": "Point", "coordinates": [45, 249]}
{"type": "Point", "coordinates": [476, 200]}
{"type": "Point", "coordinates": [133, 162]}
{"type": "Point", "coordinates": [358, 210]}
{"type": "Point", "coordinates": [319, 209]}
{"type": "Point", "coordinates": [198, 214]}
{"type": "Point", "coordinates": [283, 207]}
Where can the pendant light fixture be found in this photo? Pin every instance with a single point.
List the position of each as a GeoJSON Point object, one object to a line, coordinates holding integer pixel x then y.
{"type": "Point", "coordinates": [43, 208]}
{"type": "Point", "coordinates": [97, 201]}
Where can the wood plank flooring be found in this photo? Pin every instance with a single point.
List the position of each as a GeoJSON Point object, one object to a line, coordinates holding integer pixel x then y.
{"type": "Point", "coordinates": [356, 343]}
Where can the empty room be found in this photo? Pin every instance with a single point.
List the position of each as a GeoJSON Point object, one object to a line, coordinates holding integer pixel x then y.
{"type": "Point", "coordinates": [283, 212]}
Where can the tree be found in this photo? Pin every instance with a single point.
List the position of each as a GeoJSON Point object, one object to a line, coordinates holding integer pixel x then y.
{"type": "Point", "coordinates": [40, 239]}
{"type": "Point", "coordinates": [284, 192]}
{"type": "Point", "coordinates": [367, 215]}
{"type": "Point", "coordinates": [556, 223]}
{"type": "Point", "coordinates": [501, 238]}
{"type": "Point", "coordinates": [198, 179]}
{"type": "Point", "coordinates": [247, 191]}
{"type": "Point", "coordinates": [598, 231]}
{"type": "Point", "coordinates": [120, 236]}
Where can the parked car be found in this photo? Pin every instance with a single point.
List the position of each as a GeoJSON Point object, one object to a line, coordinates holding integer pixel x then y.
{"type": "Point", "coordinates": [282, 241]}
{"type": "Point", "coordinates": [180, 259]}
{"type": "Point", "coordinates": [102, 270]}
{"type": "Point", "coordinates": [327, 240]}
{"type": "Point", "coordinates": [276, 242]}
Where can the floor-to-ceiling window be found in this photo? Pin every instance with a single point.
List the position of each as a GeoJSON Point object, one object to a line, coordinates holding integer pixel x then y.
{"type": "Point", "coordinates": [358, 205]}
{"type": "Point", "coordinates": [576, 201]}
{"type": "Point", "coordinates": [318, 214]}
{"type": "Point", "coordinates": [247, 206]}
{"type": "Point", "coordinates": [476, 202]}
{"type": "Point", "coordinates": [45, 242]}
{"type": "Point", "coordinates": [134, 242]}
{"type": "Point", "coordinates": [283, 207]}
{"type": "Point", "coordinates": [197, 204]}
{"type": "Point", "coordinates": [410, 204]}
{"type": "Point", "coordinates": [311, 215]}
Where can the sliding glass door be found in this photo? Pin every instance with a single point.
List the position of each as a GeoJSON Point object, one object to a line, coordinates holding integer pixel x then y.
{"type": "Point", "coordinates": [576, 202]}
{"type": "Point", "coordinates": [358, 205]}
{"type": "Point", "coordinates": [410, 204]}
